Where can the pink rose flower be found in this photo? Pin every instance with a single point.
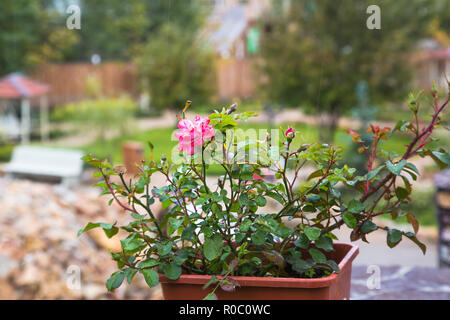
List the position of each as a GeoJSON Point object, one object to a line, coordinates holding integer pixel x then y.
{"type": "Point", "coordinates": [193, 134]}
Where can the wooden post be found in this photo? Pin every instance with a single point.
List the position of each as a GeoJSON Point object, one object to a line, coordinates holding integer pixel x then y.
{"type": "Point", "coordinates": [25, 119]}
{"type": "Point", "coordinates": [44, 118]}
{"type": "Point", "coordinates": [132, 154]}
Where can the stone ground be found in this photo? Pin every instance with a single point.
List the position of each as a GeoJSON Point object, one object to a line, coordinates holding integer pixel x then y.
{"type": "Point", "coordinates": [401, 283]}
{"type": "Point", "coordinates": [41, 256]}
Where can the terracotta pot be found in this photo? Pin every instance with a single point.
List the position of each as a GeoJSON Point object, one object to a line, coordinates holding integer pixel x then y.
{"type": "Point", "coordinates": [333, 287]}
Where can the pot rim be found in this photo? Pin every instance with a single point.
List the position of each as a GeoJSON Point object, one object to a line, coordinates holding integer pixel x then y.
{"type": "Point", "coordinates": [245, 281]}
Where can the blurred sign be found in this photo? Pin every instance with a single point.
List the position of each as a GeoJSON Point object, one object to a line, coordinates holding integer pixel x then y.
{"type": "Point", "coordinates": [253, 41]}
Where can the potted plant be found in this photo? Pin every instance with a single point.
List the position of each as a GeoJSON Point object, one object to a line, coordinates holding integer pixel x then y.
{"type": "Point", "coordinates": [222, 240]}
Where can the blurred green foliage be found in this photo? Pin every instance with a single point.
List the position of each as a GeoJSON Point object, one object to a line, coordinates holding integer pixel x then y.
{"type": "Point", "coordinates": [173, 66]}
{"type": "Point", "coordinates": [6, 151]}
{"type": "Point", "coordinates": [32, 32]}
{"type": "Point", "coordinates": [115, 28]}
{"type": "Point", "coordinates": [316, 52]}
{"type": "Point", "coordinates": [99, 114]}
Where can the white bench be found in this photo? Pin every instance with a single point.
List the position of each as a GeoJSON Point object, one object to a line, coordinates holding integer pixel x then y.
{"type": "Point", "coordinates": [46, 163]}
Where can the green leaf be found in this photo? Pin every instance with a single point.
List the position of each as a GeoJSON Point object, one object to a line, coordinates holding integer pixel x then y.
{"type": "Point", "coordinates": [175, 223]}
{"type": "Point", "coordinates": [239, 237]}
{"type": "Point", "coordinates": [300, 265]}
{"type": "Point", "coordinates": [349, 220]}
{"type": "Point", "coordinates": [115, 280]}
{"type": "Point", "coordinates": [130, 273]}
{"type": "Point", "coordinates": [275, 196]}
{"type": "Point", "coordinates": [333, 266]}
{"type": "Point", "coordinates": [401, 193]}
{"type": "Point", "coordinates": [181, 257]}
{"type": "Point", "coordinates": [411, 236]}
{"type": "Point", "coordinates": [212, 248]}
{"type": "Point", "coordinates": [442, 156]}
{"type": "Point", "coordinates": [243, 199]}
{"type": "Point", "coordinates": [165, 249]}
{"type": "Point", "coordinates": [312, 233]}
{"type": "Point", "coordinates": [313, 198]}
{"type": "Point", "coordinates": [148, 263]}
{"type": "Point", "coordinates": [259, 237]}
{"type": "Point", "coordinates": [302, 241]}
{"type": "Point", "coordinates": [368, 226]}
{"type": "Point", "coordinates": [401, 125]}
{"type": "Point", "coordinates": [315, 174]}
{"type": "Point", "coordinates": [88, 227]}
{"type": "Point", "coordinates": [210, 296]}
{"type": "Point", "coordinates": [317, 256]}
{"type": "Point", "coordinates": [131, 244]}
{"type": "Point", "coordinates": [372, 174]}
{"type": "Point", "coordinates": [172, 270]}
{"type": "Point", "coordinates": [206, 230]}
{"type": "Point", "coordinates": [109, 229]}
{"type": "Point", "coordinates": [355, 206]}
{"type": "Point", "coordinates": [260, 201]}
{"type": "Point", "coordinates": [246, 224]}
{"type": "Point", "coordinates": [324, 243]}
{"type": "Point", "coordinates": [151, 277]}
{"type": "Point", "coordinates": [394, 237]}
{"type": "Point", "coordinates": [211, 281]}
{"type": "Point", "coordinates": [188, 232]}
{"type": "Point", "coordinates": [411, 166]}
{"type": "Point", "coordinates": [397, 167]}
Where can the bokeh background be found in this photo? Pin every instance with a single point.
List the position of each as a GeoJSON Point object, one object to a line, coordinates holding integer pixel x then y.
{"type": "Point", "coordinates": [117, 82]}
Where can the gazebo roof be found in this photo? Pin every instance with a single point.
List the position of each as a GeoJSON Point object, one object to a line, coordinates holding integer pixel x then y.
{"type": "Point", "coordinates": [17, 85]}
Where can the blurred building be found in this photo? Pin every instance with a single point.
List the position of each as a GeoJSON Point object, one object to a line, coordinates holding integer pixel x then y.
{"type": "Point", "coordinates": [433, 64]}
{"type": "Point", "coordinates": [232, 31]}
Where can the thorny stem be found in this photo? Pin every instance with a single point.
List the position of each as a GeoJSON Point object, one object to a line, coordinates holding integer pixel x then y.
{"type": "Point", "coordinates": [410, 151]}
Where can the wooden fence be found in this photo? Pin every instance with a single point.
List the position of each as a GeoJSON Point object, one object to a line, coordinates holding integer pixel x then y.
{"type": "Point", "coordinates": [68, 81]}
{"type": "Point", "coordinates": [236, 79]}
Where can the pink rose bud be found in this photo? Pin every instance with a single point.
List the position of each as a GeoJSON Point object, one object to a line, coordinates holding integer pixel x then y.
{"type": "Point", "coordinates": [290, 133]}
{"type": "Point", "coordinates": [290, 130]}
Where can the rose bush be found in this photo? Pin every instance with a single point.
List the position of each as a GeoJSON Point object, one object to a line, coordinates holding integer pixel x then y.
{"type": "Point", "coordinates": [219, 229]}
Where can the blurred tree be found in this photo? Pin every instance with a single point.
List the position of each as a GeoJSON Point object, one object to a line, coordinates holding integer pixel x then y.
{"type": "Point", "coordinates": [32, 32]}
{"type": "Point", "coordinates": [113, 28]}
{"type": "Point", "coordinates": [160, 36]}
{"type": "Point", "coordinates": [176, 67]}
{"type": "Point", "coordinates": [315, 52]}
{"type": "Point", "coordinates": [440, 26]}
